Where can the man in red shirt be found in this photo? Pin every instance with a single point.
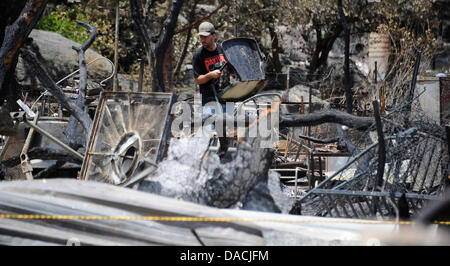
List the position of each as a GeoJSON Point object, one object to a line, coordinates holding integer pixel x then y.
{"type": "Point", "coordinates": [204, 63]}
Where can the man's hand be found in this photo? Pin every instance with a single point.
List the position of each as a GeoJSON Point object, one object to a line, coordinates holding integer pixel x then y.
{"type": "Point", "coordinates": [215, 74]}
{"type": "Point", "coordinates": [202, 79]}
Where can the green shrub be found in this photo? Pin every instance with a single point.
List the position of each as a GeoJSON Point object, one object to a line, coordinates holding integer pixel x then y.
{"type": "Point", "coordinates": [62, 20]}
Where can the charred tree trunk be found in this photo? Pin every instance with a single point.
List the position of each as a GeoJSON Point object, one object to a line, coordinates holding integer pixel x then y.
{"type": "Point", "coordinates": [348, 86]}
{"type": "Point", "coordinates": [12, 39]}
{"type": "Point", "coordinates": [188, 38]}
{"type": "Point", "coordinates": [275, 49]}
{"type": "Point", "coordinates": [156, 52]}
{"type": "Point", "coordinates": [163, 44]}
{"type": "Point", "coordinates": [168, 69]}
{"type": "Point", "coordinates": [327, 116]}
{"type": "Point", "coordinates": [140, 21]}
{"type": "Point", "coordinates": [270, 24]}
{"type": "Point", "coordinates": [183, 53]}
{"type": "Point", "coordinates": [323, 48]}
{"type": "Point", "coordinates": [70, 130]}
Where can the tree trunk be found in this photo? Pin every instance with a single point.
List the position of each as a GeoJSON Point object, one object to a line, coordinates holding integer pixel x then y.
{"type": "Point", "coordinates": [275, 49]}
{"type": "Point", "coordinates": [270, 24]}
{"type": "Point", "coordinates": [323, 48]}
{"type": "Point", "coordinates": [72, 126]}
{"type": "Point", "coordinates": [348, 86]}
{"type": "Point", "coordinates": [163, 44]}
{"type": "Point", "coordinates": [183, 53]}
{"type": "Point", "coordinates": [168, 69]}
{"type": "Point", "coordinates": [191, 20]}
{"type": "Point", "coordinates": [12, 39]}
{"type": "Point", "coordinates": [157, 53]}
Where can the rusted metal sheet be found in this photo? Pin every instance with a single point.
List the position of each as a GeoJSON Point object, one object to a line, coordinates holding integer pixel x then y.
{"type": "Point", "coordinates": [128, 127]}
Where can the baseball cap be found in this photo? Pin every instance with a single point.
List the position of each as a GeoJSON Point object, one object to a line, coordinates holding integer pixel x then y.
{"type": "Point", "coordinates": [206, 29]}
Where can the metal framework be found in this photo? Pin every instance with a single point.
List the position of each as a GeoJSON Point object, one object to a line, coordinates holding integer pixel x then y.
{"type": "Point", "coordinates": [127, 128]}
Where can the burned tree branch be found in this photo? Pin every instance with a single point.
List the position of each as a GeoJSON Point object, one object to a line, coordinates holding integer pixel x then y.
{"type": "Point", "coordinates": [16, 33]}
{"type": "Point", "coordinates": [70, 130]}
{"type": "Point", "coordinates": [156, 49]}
{"type": "Point", "coordinates": [163, 44]}
{"type": "Point", "coordinates": [148, 6]}
{"type": "Point", "coordinates": [188, 39]}
{"type": "Point", "coordinates": [56, 91]}
{"type": "Point", "coordinates": [26, 14]}
{"type": "Point", "coordinates": [327, 116]}
{"type": "Point", "coordinates": [140, 22]}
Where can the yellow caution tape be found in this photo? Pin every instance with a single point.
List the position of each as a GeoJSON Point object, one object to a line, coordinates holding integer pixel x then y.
{"type": "Point", "coordinates": [196, 219]}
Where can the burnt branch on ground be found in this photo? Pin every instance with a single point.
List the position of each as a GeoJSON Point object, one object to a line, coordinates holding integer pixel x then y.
{"type": "Point", "coordinates": [326, 116]}
{"type": "Point", "coordinates": [70, 130]}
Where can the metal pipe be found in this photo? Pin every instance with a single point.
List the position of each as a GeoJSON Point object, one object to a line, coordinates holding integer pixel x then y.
{"type": "Point", "coordinates": [26, 166]}
{"type": "Point", "coordinates": [57, 141]}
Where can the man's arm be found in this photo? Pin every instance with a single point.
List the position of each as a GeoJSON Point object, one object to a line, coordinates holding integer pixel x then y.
{"type": "Point", "coordinates": [202, 79]}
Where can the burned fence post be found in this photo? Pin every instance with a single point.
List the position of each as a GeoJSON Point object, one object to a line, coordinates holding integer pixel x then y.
{"type": "Point", "coordinates": [381, 146]}
{"type": "Point", "coordinates": [413, 87]}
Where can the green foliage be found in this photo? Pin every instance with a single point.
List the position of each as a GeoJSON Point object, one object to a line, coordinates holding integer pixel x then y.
{"type": "Point", "coordinates": [63, 18]}
{"type": "Point", "coordinates": [61, 21]}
